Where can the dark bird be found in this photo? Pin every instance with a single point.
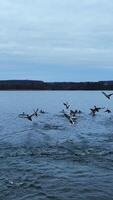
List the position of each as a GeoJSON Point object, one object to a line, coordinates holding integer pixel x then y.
{"type": "Point", "coordinates": [107, 95]}
{"type": "Point", "coordinates": [107, 110]}
{"type": "Point", "coordinates": [42, 111]}
{"type": "Point", "coordinates": [27, 116]}
{"type": "Point", "coordinates": [73, 113]}
{"type": "Point", "coordinates": [69, 117]}
{"type": "Point", "coordinates": [66, 105]}
{"type": "Point", "coordinates": [93, 111]}
{"type": "Point", "coordinates": [97, 109]}
{"type": "Point", "coordinates": [71, 120]}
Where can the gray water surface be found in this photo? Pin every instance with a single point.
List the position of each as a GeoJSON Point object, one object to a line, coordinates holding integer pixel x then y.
{"type": "Point", "coordinates": [49, 158]}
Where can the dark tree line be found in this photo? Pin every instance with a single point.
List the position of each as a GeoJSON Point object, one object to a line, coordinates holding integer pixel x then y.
{"type": "Point", "coordinates": [40, 85]}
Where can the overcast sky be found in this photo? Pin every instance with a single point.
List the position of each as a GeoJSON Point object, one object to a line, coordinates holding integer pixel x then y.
{"type": "Point", "coordinates": [56, 40]}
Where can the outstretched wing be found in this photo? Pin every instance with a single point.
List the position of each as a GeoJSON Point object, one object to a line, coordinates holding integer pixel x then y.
{"type": "Point", "coordinates": [35, 110]}
{"type": "Point", "coordinates": [110, 94]}
{"type": "Point", "coordinates": [65, 104]}
{"type": "Point", "coordinates": [32, 115]}
{"type": "Point", "coordinates": [106, 95]}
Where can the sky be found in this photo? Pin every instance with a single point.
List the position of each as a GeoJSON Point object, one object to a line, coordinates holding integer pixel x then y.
{"type": "Point", "coordinates": [56, 40]}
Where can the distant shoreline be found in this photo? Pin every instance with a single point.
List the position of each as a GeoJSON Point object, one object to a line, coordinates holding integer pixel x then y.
{"type": "Point", "coordinates": [33, 85]}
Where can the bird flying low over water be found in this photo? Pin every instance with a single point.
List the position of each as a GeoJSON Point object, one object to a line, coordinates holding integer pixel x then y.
{"type": "Point", "coordinates": [66, 104]}
{"type": "Point", "coordinates": [107, 95]}
{"type": "Point", "coordinates": [42, 111]}
{"type": "Point", "coordinates": [69, 117]}
{"type": "Point", "coordinates": [73, 113]}
{"type": "Point", "coordinates": [27, 116]}
{"type": "Point", "coordinates": [98, 108]}
{"type": "Point", "coordinates": [95, 109]}
{"type": "Point", "coordinates": [107, 110]}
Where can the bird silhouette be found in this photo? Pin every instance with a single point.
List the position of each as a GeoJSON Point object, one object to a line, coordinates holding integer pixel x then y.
{"type": "Point", "coordinates": [66, 105]}
{"type": "Point", "coordinates": [107, 110]}
{"type": "Point", "coordinates": [107, 95]}
{"type": "Point", "coordinates": [42, 111]}
{"type": "Point", "coordinates": [69, 117]}
{"type": "Point", "coordinates": [27, 116]}
{"type": "Point", "coordinates": [97, 109]}
{"type": "Point", "coordinates": [73, 113]}
{"type": "Point", "coordinates": [93, 111]}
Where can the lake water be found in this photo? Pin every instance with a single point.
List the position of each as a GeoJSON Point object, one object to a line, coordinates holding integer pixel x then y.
{"type": "Point", "coordinates": [49, 158]}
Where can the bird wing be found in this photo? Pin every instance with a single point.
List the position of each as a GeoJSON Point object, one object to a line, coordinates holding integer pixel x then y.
{"type": "Point", "coordinates": [104, 94]}
{"type": "Point", "coordinates": [111, 94]}
{"type": "Point", "coordinates": [32, 115]}
{"type": "Point", "coordinates": [35, 111]}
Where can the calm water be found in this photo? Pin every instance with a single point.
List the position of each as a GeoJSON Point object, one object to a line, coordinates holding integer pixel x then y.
{"type": "Point", "coordinates": [50, 159]}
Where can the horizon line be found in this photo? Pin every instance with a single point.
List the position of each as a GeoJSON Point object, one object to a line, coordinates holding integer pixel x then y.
{"type": "Point", "coordinates": [54, 81]}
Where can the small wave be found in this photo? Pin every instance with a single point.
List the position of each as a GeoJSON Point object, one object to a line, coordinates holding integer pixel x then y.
{"type": "Point", "coordinates": [53, 126]}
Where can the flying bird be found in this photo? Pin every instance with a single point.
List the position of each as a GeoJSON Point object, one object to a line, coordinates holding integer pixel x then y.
{"type": "Point", "coordinates": [73, 113]}
{"type": "Point", "coordinates": [66, 105]}
{"type": "Point", "coordinates": [107, 110]}
{"type": "Point", "coordinates": [98, 108]}
{"type": "Point", "coordinates": [27, 116]}
{"type": "Point", "coordinates": [107, 95]}
{"type": "Point", "coordinates": [93, 111]}
{"type": "Point", "coordinates": [69, 117]}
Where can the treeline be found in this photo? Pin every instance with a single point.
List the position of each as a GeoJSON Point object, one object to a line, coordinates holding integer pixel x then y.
{"type": "Point", "coordinates": [40, 85]}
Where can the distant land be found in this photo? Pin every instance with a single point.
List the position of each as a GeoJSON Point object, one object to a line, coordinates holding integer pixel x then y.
{"type": "Point", "coordinates": [41, 85]}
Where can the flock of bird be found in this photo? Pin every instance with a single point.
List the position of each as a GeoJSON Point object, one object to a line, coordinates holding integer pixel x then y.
{"type": "Point", "coordinates": [68, 113]}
